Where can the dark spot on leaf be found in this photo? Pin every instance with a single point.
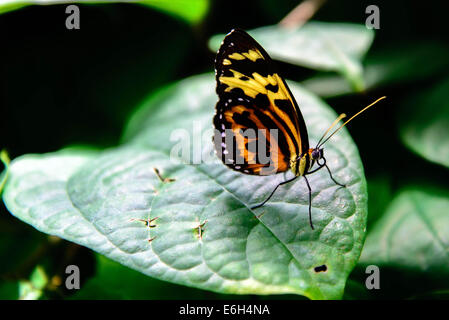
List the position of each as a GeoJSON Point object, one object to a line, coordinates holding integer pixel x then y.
{"type": "Point", "coordinates": [322, 268]}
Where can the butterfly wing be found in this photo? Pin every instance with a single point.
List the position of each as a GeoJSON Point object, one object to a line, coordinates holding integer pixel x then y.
{"type": "Point", "coordinates": [253, 96]}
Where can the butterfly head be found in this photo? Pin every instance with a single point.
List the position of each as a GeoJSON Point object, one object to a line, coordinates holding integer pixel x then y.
{"type": "Point", "coordinates": [316, 154]}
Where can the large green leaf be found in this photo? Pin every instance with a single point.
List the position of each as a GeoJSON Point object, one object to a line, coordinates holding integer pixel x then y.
{"type": "Point", "coordinates": [410, 243]}
{"type": "Point", "coordinates": [318, 45]}
{"type": "Point", "coordinates": [191, 11]}
{"type": "Point", "coordinates": [95, 203]}
{"type": "Point", "coordinates": [424, 123]}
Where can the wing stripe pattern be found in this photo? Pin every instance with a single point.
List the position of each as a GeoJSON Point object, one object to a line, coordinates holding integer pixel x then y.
{"type": "Point", "coordinates": [253, 96]}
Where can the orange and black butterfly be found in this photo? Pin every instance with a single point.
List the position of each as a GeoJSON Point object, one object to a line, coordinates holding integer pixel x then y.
{"type": "Point", "coordinates": [259, 127]}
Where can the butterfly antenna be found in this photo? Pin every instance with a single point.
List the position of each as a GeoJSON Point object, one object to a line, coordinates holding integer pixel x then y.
{"type": "Point", "coordinates": [346, 122]}
{"type": "Point", "coordinates": [331, 126]}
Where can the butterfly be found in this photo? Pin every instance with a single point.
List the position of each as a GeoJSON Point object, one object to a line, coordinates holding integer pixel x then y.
{"type": "Point", "coordinates": [259, 128]}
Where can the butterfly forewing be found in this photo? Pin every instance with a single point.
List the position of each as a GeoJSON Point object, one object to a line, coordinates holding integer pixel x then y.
{"type": "Point", "coordinates": [259, 127]}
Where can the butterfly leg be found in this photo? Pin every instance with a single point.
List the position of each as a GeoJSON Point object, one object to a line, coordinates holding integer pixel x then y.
{"type": "Point", "coordinates": [315, 170]}
{"type": "Point", "coordinates": [310, 202]}
{"type": "Point", "coordinates": [330, 173]}
{"type": "Point", "coordinates": [322, 165]}
{"type": "Point", "coordinates": [272, 192]}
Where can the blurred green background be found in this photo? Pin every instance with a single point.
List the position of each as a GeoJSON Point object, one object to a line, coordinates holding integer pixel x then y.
{"type": "Point", "coordinates": [64, 87]}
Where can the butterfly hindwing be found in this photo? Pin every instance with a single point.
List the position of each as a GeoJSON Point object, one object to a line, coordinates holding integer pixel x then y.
{"type": "Point", "coordinates": [252, 95]}
{"type": "Point", "coordinates": [244, 139]}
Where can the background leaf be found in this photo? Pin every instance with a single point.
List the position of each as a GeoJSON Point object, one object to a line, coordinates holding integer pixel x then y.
{"type": "Point", "coordinates": [191, 11]}
{"type": "Point", "coordinates": [32, 289]}
{"type": "Point", "coordinates": [387, 68]}
{"type": "Point", "coordinates": [94, 202]}
{"type": "Point", "coordinates": [424, 123]}
{"type": "Point", "coordinates": [380, 194]}
{"type": "Point", "coordinates": [317, 45]}
{"type": "Point", "coordinates": [410, 243]}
